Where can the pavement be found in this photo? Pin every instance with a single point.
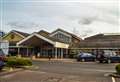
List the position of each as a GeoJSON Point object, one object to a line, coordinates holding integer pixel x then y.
{"type": "Point", "coordinates": [10, 71]}
{"type": "Point", "coordinates": [55, 60]}
{"type": "Point", "coordinates": [58, 71]}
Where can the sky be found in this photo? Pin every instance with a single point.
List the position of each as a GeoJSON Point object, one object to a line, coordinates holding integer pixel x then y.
{"type": "Point", "coordinates": [81, 17]}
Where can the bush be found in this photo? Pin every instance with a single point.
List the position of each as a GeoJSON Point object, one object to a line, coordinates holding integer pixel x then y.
{"type": "Point", "coordinates": [17, 62]}
{"type": "Point", "coordinates": [118, 68]}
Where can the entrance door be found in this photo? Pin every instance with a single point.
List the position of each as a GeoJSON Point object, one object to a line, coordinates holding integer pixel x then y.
{"type": "Point", "coordinates": [37, 51]}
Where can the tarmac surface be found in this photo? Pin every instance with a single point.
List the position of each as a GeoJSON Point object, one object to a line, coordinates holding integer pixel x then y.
{"type": "Point", "coordinates": [58, 71]}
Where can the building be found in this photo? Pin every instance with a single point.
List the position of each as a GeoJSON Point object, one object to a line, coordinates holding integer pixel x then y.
{"type": "Point", "coordinates": [59, 43]}
{"type": "Point", "coordinates": [42, 44]}
{"type": "Point", "coordinates": [13, 37]}
{"type": "Point", "coordinates": [106, 41]}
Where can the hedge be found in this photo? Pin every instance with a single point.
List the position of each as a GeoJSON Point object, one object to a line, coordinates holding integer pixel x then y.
{"type": "Point", "coordinates": [118, 68]}
{"type": "Point", "coordinates": [18, 62]}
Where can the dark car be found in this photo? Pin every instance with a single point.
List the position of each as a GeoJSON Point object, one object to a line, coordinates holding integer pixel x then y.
{"type": "Point", "coordinates": [2, 64]}
{"type": "Point", "coordinates": [2, 59]}
{"type": "Point", "coordinates": [84, 57]}
{"type": "Point", "coordinates": [108, 56]}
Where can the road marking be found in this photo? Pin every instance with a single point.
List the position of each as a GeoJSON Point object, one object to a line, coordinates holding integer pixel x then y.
{"type": "Point", "coordinates": [35, 71]}
{"type": "Point", "coordinates": [98, 70]}
{"type": "Point", "coordinates": [113, 79]}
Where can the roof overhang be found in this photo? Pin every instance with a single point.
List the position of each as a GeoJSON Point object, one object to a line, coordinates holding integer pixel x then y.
{"type": "Point", "coordinates": [37, 35]}
{"type": "Point", "coordinates": [15, 33]}
{"type": "Point", "coordinates": [54, 43]}
{"type": "Point", "coordinates": [61, 33]}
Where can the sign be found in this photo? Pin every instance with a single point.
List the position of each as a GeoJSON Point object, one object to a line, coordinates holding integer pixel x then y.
{"type": "Point", "coordinates": [4, 45]}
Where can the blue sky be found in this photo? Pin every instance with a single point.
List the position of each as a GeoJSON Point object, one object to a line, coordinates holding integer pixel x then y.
{"type": "Point", "coordinates": [85, 16]}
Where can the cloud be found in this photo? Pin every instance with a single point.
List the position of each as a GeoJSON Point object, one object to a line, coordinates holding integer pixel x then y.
{"type": "Point", "coordinates": [86, 21]}
{"type": "Point", "coordinates": [101, 17]}
{"type": "Point", "coordinates": [84, 15]}
{"type": "Point", "coordinates": [21, 24]}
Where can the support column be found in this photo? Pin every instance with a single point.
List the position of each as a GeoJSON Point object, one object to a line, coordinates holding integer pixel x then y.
{"type": "Point", "coordinates": [47, 52]}
{"type": "Point", "coordinates": [27, 52]}
{"type": "Point", "coordinates": [40, 52]}
{"type": "Point", "coordinates": [18, 51]}
{"type": "Point", "coordinates": [56, 53]}
{"type": "Point", "coordinates": [52, 52]}
{"type": "Point", "coordinates": [66, 53]}
{"type": "Point", "coordinates": [59, 55]}
{"type": "Point", "coordinates": [61, 52]}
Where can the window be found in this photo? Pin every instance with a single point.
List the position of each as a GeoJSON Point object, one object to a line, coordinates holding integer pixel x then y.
{"type": "Point", "coordinates": [62, 37]}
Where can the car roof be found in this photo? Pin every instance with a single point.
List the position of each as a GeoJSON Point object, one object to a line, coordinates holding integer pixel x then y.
{"type": "Point", "coordinates": [86, 53]}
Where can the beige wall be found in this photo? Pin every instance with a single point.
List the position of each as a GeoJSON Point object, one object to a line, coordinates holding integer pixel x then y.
{"type": "Point", "coordinates": [12, 37]}
{"type": "Point", "coordinates": [61, 45]}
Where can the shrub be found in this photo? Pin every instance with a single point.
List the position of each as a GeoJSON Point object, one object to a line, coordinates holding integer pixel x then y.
{"type": "Point", "coordinates": [118, 68]}
{"type": "Point", "coordinates": [18, 62]}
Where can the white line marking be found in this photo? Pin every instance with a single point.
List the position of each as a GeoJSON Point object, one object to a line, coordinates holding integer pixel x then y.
{"type": "Point", "coordinates": [113, 79]}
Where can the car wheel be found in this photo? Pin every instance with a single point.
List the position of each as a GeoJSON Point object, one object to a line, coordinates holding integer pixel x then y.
{"type": "Point", "coordinates": [100, 61]}
{"type": "Point", "coordinates": [0, 68]}
{"type": "Point", "coordinates": [108, 61]}
{"type": "Point", "coordinates": [83, 60]}
{"type": "Point", "coordinates": [95, 60]}
{"type": "Point", "coordinates": [78, 60]}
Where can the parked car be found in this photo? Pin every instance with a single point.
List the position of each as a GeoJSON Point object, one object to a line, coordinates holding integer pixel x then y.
{"type": "Point", "coordinates": [2, 59]}
{"type": "Point", "coordinates": [108, 56]}
{"type": "Point", "coordinates": [85, 57]}
{"type": "Point", "coordinates": [2, 64]}
{"type": "Point", "coordinates": [2, 55]}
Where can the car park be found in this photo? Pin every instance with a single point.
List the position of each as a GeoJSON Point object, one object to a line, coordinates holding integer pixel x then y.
{"type": "Point", "coordinates": [107, 56]}
{"type": "Point", "coordinates": [85, 57]}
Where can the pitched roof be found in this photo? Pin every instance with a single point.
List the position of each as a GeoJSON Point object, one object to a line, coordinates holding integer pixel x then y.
{"type": "Point", "coordinates": [73, 35]}
{"type": "Point", "coordinates": [104, 37]}
{"type": "Point", "coordinates": [101, 40]}
{"type": "Point", "coordinates": [22, 33]}
{"type": "Point", "coordinates": [46, 35]}
{"type": "Point", "coordinates": [99, 44]}
{"type": "Point", "coordinates": [43, 32]}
